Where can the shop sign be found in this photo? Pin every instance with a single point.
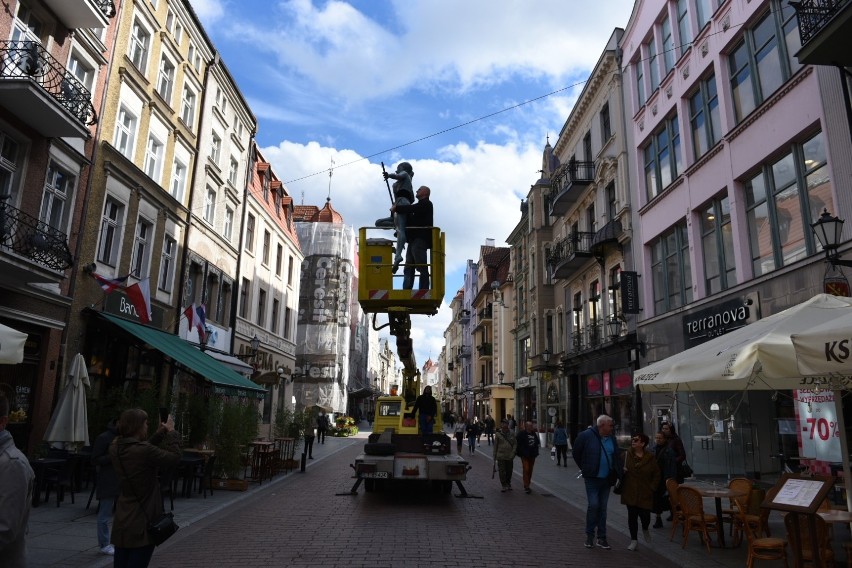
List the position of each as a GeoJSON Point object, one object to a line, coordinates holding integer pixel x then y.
{"type": "Point", "coordinates": [714, 321]}
{"type": "Point", "coordinates": [622, 383]}
{"type": "Point", "coordinates": [523, 382]}
{"type": "Point", "coordinates": [820, 435]}
{"type": "Point", "coordinates": [607, 387]}
{"type": "Point", "coordinates": [629, 285]}
{"type": "Point", "coordinates": [117, 303]}
{"type": "Point", "coordinates": [594, 387]}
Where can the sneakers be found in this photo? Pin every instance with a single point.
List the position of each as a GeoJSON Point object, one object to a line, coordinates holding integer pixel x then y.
{"type": "Point", "coordinates": [590, 541]}
{"type": "Point", "coordinates": [602, 543]}
{"type": "Point", "coordinates": [647, 534]}
{"type": "Point", "coordinates": [633, 546]}
{"type": "Point", "coordinates": [109, 550]}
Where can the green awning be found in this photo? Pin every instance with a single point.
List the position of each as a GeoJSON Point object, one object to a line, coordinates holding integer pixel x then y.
{"type": "Point", "coordinates": [225, 380]}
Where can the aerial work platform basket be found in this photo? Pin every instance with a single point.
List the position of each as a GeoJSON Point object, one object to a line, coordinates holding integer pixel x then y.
{"type": "Point", "coordinates": [380, 290]}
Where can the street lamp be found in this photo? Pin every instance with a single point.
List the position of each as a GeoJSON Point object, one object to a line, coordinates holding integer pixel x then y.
{"type": "Point", "coordinates": [500, 376]}
{"type": "Point", "coordinates": [827, 230]}
{"type": "Point", "coordinates": [546, 356]}
{"type": "Point", "coordinates": [613, 327]}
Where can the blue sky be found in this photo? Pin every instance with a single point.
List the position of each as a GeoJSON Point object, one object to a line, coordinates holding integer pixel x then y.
{"type": "Point", "coordinates": [426, 81]}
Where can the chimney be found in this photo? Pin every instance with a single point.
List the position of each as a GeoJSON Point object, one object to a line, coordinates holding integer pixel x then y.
{"type": "Point", "coordinates": [489, 242]}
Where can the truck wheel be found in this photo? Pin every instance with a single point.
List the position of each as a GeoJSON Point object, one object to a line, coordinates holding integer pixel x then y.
{"type": "Point", "coordinates": [369, 485]}
{"type": "Point", "coordinates": [380, 449]}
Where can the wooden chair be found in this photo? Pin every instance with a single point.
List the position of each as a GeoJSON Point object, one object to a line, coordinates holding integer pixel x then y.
{"type": "Point", "coordinates": [60, 479]}
{"type": "Point", "coordinates": [677, 514]}
{"type": "Point", "coordinates": [731, 514]}
{"type": "Point", "coordinates": [801, 540]}
{"type": "Point", "coordinates": [761, 548]}
{"type": "Point", "coordinates": [695, 519]}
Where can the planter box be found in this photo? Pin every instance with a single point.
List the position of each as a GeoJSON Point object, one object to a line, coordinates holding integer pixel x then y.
{"type": "Point", "coordinates": [292, 464]}
{"type": "Point", "coordinates": [230, 484]}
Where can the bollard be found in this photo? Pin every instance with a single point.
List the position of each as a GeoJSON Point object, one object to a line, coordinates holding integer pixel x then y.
{"type": "Point", "coordinates": [304, 459]}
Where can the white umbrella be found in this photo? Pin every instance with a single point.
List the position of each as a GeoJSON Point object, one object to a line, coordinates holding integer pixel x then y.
{"type": "Point", "coordinates": [70, 422]}
{"type": "Point", "coordinates": [759, 356]}
{"type": "Point", "coordinates": [11, 345]}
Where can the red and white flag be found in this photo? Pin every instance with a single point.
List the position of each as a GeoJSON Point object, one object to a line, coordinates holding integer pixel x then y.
{"type": "Point", "coordinates": [109, 284]}
{"type": "Point", "coordinates": [140, 296]}
{"type": "Point", "coordinates": [191, 316]}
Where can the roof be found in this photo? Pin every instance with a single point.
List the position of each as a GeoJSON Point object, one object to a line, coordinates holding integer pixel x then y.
{"type": "Point", "coordinates": [313, 214]}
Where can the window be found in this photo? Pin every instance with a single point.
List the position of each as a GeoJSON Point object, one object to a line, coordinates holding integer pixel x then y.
{"type": "Point", "coordinates": [781, 202]}
{"type": "Point", "coordinates": [194, 57]}
{"type": "Point", "coordinates": [288, 329]}
{"type": "Point", "coordinates": [261, 307]}
{"type": "Point", "coordinates": [232, 171]}
{"type": "Point", "coordinates": [141, 248]}
{"type": "Point", "coordinates": [140, 41]}
{"type": "Point", "coordinates": [591, 220]}
{"type": "Point", "coordinates": [587, 147]}
{"type": "Point", "coordinates": [614, 291]}
{"type": "Point", "coordinates": [704, 10]}
{"type": "Point", "coordinates": [273, 323]}
{"type": "Point", "coordinates": [595, 315]}
{"type": "Point", "coordinates": [84, 72]}
{"type": "Point", "coordinates": [704, 117]}
{"type": "Point", "coordinates": [640, 82]}
{"type": "Point", "coordinates": [228, 229]}
{"type": "Point", "coordinates": [266, 239]}
{"type": "Point", "coordinates": [109, 239]}
{"type": "Point", "coordinates": [662, 158]}
{"type": "Point", "coordinates": [216, 148]}
{"type": "Point", "coordinates": [606, 127]}
{"type": "Point", "coordinates": [290, 271]}
{"type": "Point", "coordinates": [224, 303]}
{"type": "Point", "coordinates": [578, 322]}
{"type": "Point", "coordinates": [668, 46]}
{"type": "Point", "coordinates": [717, 244]}
{"type": "Point", "coordinates": [244, 298]}
{"type": "Point", "coordinates": [653, 66]}
{"type": "Point", "coordinates": [178, 183]}
{"type": "Point", "coordinates": [760, 63]}
{"type": "Point", "coordinates": [279, 259]}
{"type": "Point", "coordinates": [683, 25]}
{"type": "Point", "coordinates": [670, 270]}
{"type": "Point", "coordinates": [187, 109]}
{"type": "Point", "coordinates": [8, 163]}
{"type": "Point", "coordinates": [166, 79]}
{"type": "Point", "coordinates": [57, 188]}
{"type": "Point", "coordinates": [167, 263]}
{"type": "Point", "coordinates": [154, 159]}
{"type": "Point", "coordinates": [125, 132]}
{"type": "Point", "coordinates": [611, 202]}
{"type": "Point", "coordinates": [209, 205]}
{"type": "Point", "coordinates": [250, 233]}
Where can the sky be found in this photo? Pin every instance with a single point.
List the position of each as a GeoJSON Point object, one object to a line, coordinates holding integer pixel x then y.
{"type": "Point", "coordinates": [466, 91]}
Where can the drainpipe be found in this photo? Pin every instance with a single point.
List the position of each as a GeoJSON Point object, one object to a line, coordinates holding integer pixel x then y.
{"type": "Point", "coordinates": [235, 297]}
{"type": "Point", "coordinates": [184, 259]}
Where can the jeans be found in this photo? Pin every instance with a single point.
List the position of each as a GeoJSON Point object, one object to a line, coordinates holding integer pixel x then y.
{"type": "Point", "coordinates": [133, 557]}
{"type": "Point", "coordinates": [426, 422]}
{"type": "Point", "coordinates": [561, 453]}
{"type": "Point", "coordinates": [416, 258]}
{"type": "Point", "coordinates": [104, 515]}
{"type": "Point", "coordinates": [471, 443]}
{"type": "Point", "coordinates": [597, 493]}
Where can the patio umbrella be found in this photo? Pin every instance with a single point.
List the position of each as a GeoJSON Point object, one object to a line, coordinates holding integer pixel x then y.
{"type": "Point", "coordinates": [70, 422]}
{"type": "Point", "coordinates": [11, 345]}
{"type": "Point", "coordinates": [758, 356]}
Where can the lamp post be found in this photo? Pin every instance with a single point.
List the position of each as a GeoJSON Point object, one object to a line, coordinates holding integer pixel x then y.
{"type": "Point", "coordinates": [500, 376]}
{"type": "Point", "coordinates": [827, 230]}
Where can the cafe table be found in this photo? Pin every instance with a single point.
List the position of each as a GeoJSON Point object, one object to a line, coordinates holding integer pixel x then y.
{"type": "Point", "coordinates": [717, 493]}
{"type": "Point", "coordinates": [40, 467]}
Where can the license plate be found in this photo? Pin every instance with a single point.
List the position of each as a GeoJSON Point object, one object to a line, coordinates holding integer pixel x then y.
{"type": "Point", "coordinates": [375, 475]}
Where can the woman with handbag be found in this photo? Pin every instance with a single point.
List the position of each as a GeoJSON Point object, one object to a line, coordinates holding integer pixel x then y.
{"type": "Point", "coordinates": [641, 477]}
{"type": "Point", "coordinates": [140, 504]}
{"type": "Point", "coordinates": [668, 469]}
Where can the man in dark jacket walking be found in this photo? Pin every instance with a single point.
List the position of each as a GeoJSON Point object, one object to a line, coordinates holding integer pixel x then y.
{"type": "Point", "coordinates": [419, 238]}
{"type": "Point", "coordinates": [528, 445]}
{"type": "Point", "coordinates": [595, 466]}
{"type": "Point", "coordinates": [107, 484]}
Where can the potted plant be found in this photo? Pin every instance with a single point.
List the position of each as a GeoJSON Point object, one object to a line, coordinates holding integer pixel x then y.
{"type": "Point", "coordinates": [236, 427]}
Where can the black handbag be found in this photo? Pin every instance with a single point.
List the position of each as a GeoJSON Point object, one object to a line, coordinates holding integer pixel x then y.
{"type": "Point", "coordinates": [685, 470]}
{"type": "Point", "coordinates": [618, 487]}
{"type": "Point", "coordinates": [162, 528]}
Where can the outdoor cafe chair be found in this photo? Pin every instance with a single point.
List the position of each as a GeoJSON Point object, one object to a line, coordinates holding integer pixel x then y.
{"type": "Point", "coordinates": [731, 514]}
{"type": "Point", "coordinates": [801, 540]}
{"type": "Point", "coordinates": [760, 548]}
{"type": "Point", "coordinates": [60, 479]}
{"type": "Point", "coordinates": [677, 514]}
{"type": "Point", "coordinates": [695, 519]}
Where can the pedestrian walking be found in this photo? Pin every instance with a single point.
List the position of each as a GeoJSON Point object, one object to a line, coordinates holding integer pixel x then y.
{"type": "Point", "coordinates": [512, 424]}
{"type": "Point", "coordinates": [560, 442]}
{"type": "Point", "coordinates": [16, 496]}
{"type": "Point", "coordinates": [459, 431]}
{"type": "Point", "coordinates": [676, 444]}
{"type": "Point", "coordinates": [322, 426]}
{"type": "Point", "coordinates": [470, 432]}
{"type": "Point", "coordinates": [641, 478]}
{"type": "Point", "coordinates": [309, 435]}
{"type": "Point", "coordinates": [505, 446]}
{"type": "Point", "coordinates": [596, 454]}
{"type": "Point", "coordinates": [106, 484]}
{"type": "Point", "coordinates": [137, 463]}
{"type": "Point", "coordinates": [665, 457]}
{"type": "Point", "coordinates": [527, 449]}
{"type": "Point", "coordinates": [489, 429]}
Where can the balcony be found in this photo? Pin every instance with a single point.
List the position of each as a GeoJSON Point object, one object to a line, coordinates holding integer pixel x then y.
{"type": "Point", "coordinates": [29, 238]}
{"type": "Point", "coordinates": [40, 91]}
{"type": "Point", "coordinates": [464, 317]}
{"type": "Point", "coordinates": [606, 237]}
{"type": "Point", "coordinates": [484, 313]}
{"type": "Point", "coordinates": [463, 353]}
{"type": "Point", "coordinates": [76, 14]}
{"type": "Point", "coordinates": [569, 181]}
{"type": "Point", "coordinates": [824, 30]}
{"type": "Point", "coordinates": [570, 253]}
{"type": "Point", "coordinates": [484, 350]}
{"type": "Point", "coordinates": [588, 337]}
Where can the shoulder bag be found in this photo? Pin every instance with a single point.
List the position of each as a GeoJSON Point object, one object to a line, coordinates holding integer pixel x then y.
{"type": "Point", "coordinates": [161, 528]}
{"type": "Point", "coordinates": [614, 479]}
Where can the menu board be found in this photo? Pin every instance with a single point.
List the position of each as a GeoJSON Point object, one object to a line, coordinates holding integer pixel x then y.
{"type": "Point", "coordinates": [802, 494]}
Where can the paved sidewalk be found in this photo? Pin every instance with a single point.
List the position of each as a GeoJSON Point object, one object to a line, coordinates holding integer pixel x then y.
{"type": "Point", "coordinates": [66, 535]}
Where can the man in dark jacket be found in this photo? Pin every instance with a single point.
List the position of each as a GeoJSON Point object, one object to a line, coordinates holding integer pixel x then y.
{"type": "Point", "coordinates": [107, 484]}
{"type": "Point", "coordinates": [428, 407]}
{"type": "Point", "coordinates": [528, 444]}
{"type": "Point", "coordinates": [595, 466]}
{"type": "Point", "coordinates": [420, 221]}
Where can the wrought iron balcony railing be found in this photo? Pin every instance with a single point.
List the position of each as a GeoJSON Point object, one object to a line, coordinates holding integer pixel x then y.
{"type": "Point", "coordinates": [29, 60]}
{"type": "Point", "coordinates": [107, 7]}
{"type": "Point", "coordinates": [27, 236]}
{"type": "Point", "coordinates": [814, 15]}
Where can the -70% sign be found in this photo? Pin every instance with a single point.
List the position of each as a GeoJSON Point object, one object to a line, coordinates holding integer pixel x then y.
{"type": "Point", "coordinates": [817, 416]}
{"type": "Point", "coordinates": [823, 428]}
